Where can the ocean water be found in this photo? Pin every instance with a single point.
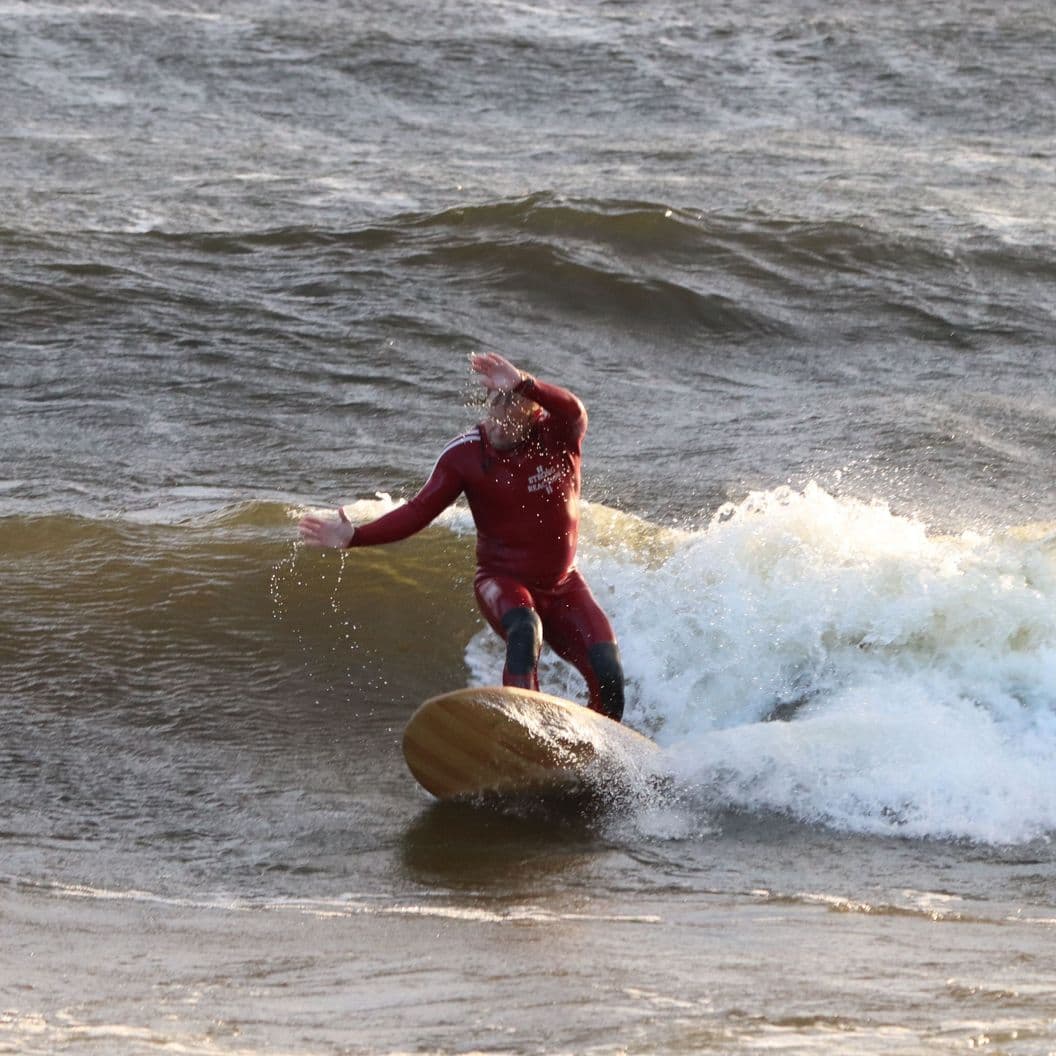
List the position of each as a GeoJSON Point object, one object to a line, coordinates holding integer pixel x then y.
{"type": "Point", "coordinates": [797, 260]}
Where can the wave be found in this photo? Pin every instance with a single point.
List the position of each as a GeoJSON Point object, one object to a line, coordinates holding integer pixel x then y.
{"type": "Point", "coordinates": [654, 265]}
{"type": "Point", "coordinates": [800, 653]}
{"type": "Point", "coordinates": [753, 241]}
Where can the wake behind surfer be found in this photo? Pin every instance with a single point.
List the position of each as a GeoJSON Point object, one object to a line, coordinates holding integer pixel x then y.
{"type": "Point", "coordinates": [519, 469]}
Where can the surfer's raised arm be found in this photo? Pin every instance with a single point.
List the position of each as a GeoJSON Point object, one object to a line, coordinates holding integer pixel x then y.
{"type": "Point", "coordinates": [499, 375]}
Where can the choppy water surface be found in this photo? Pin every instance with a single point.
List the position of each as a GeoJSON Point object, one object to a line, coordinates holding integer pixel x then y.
{"type": "Point", "coordinates": [798, 263]}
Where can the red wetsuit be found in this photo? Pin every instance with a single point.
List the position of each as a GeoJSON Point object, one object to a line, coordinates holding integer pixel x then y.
{"type": "Point", "coordinates": [525, 504]}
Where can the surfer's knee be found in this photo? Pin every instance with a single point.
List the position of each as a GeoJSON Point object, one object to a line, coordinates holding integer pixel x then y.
{"type": "Point", "coordinates": [524, 640]}
{"type": "Point", "coordinates": [604, 658]}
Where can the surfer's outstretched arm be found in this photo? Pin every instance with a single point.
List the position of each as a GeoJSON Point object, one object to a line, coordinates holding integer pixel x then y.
{"type": "Point", "coordinates": [440, 490]}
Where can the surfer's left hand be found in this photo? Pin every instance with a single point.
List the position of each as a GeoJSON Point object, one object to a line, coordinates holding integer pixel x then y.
{"type": "Point", "coordinates": [495, 371]}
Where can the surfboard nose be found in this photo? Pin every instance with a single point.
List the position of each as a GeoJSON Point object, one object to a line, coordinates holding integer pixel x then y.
{"type": "Point", "coordinates": [506, 741]}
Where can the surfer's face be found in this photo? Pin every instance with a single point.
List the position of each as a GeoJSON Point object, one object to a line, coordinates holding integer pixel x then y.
{"type": "Point", "coordinates": [508, 419]}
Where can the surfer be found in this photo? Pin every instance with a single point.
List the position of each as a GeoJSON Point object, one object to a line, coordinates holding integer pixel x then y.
{"type": "Point", "coordinates": [519, 469]}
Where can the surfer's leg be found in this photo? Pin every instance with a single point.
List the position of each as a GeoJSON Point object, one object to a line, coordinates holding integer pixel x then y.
{"type": "Point", "coordinates": [577, 629]}
{"type": "Point", "coordinates": [524, 640]}
{"type": "Point", "coordinates": [606, 671]}
{"type": "Point", "coordinates": [508, 606]}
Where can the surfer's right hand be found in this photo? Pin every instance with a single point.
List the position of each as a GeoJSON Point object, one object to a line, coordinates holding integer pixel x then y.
{"type": "Point", "coordinates": [324, 531]}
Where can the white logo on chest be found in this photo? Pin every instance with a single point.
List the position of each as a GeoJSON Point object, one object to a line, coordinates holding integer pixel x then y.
{"type": "Point", "coordinates": [544, 478]}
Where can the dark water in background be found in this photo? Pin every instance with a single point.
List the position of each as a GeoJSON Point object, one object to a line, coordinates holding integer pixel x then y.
{"type": "Point", "coordinates": [798, 262]}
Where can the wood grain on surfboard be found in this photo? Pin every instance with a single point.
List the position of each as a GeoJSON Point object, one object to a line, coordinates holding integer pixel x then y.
{"type": "Point", "coordinates": [501, 740]}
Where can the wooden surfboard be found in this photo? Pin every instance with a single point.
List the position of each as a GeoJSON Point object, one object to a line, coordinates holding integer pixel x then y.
{"type": "Point", "coordinates": [500, 741]}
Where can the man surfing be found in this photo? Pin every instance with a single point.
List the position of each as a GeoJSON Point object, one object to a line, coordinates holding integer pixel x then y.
{"type": "Point", "coordinates": [519, 469]}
